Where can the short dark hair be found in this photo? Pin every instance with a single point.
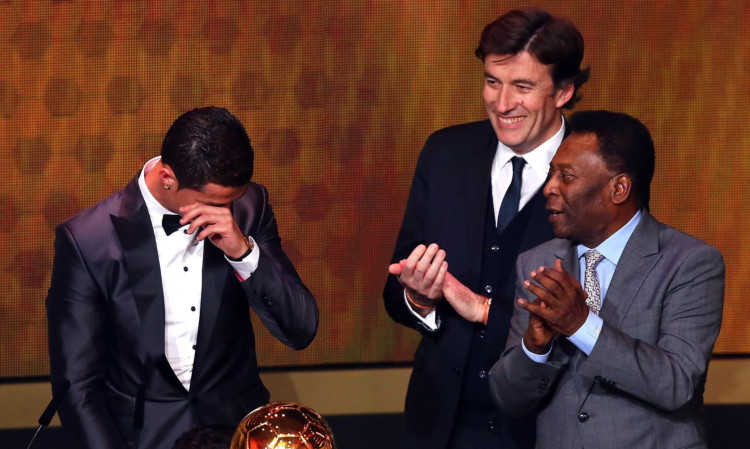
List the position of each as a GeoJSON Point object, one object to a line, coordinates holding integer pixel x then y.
{"type": "Point", "coordinates": [625, 145]}
{"type": "Point", "coordinates": [208, 145]}
{"type": "Point", "coordinates": [205, 437]}
{"type": "Point", "coordinates": [551, 40]}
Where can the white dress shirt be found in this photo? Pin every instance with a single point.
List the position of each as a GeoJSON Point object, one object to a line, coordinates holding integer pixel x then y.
{"type": "Point", "coordinates": [181, 265]}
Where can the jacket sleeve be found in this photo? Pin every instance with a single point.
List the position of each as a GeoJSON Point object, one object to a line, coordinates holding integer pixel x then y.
{"type": "Point", "coordinates": [411, 234]}
{"type": "Point", "coordinates": [76, 337]}
{"type": "Point", "coordinates": [275, 291]}
{"type": "Point", "coordinates": [518, 384]}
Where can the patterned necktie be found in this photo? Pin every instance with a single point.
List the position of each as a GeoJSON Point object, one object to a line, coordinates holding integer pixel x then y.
{"type": "Point", "coordinates": [591, 282]}
{"type": "Point", "coordinates": [512, 198]}
{"type": "Point", "coordinates": [171, 223]}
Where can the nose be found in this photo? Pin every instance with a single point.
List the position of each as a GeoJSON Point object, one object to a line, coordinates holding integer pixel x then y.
{"type": "Point", "coordinates": [550, 188]}
{"type": "Point", "coordinates": [505, 100]}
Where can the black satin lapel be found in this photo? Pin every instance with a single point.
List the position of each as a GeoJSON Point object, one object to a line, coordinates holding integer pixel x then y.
{"type": "Point", "coordinates": [141, 262]}
{"type": "Point", "coordinates": [136, 236]}
{"type": "Point", "coordinates": [215, 272]}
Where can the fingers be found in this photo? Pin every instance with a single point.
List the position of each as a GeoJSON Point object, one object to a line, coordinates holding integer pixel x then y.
{"type": "Point", "coordinates": [411, 261]}
{"type": "Point", "coordinates": [396, 268]}
{"type": "Point", "coordinates": [553, 284]}
{"type": "Point", "coordinates": [204, 216]}
{"type": "Point", "coordinates": [538, 309]}
{"type": "Point", "coordinates": [423, 271]}
{"type": "Point", "coordinates": [216, 224]}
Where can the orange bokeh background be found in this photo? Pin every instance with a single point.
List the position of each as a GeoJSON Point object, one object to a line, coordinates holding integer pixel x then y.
{"type": "Point", "coordinates": [338, 97]}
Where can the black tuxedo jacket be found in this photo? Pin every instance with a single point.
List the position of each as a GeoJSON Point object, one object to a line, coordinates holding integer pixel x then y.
{"type": "Point", "coordinates": [105, 311]}
{"type": "Point", "coordinates": [447, 205]}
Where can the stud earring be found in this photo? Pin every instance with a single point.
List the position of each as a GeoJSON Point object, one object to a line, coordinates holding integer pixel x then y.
{"type": "Point", "coordinates": [166, 186]}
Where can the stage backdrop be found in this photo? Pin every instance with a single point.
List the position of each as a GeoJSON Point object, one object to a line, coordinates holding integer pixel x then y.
{"type": "Point", "coordinates": [338, 98]}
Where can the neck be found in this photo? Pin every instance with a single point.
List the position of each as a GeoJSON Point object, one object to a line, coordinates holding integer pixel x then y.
{"type": "Point", "coordinates": [156, 187]}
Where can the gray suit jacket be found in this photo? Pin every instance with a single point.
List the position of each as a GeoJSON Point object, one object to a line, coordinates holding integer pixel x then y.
{"type": "Point", "coordinates": [642, 385]}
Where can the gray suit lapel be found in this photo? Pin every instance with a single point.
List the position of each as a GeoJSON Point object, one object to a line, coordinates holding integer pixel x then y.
{"type": "Point", "coordinates": [638, 259]}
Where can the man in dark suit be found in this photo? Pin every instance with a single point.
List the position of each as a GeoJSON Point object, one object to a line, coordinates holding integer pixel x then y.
{"type": "Point", "coordinates": [149, 311]}
{"type": "Point", "coordinates": [620, 362]}
{"type": "Point", "coordinates": [475, 203]}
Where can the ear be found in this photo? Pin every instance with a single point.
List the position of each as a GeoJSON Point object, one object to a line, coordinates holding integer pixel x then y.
{"type": "Point", "coordinates": [167, 178]}
{"type": "Point", "coordinates": [621, 187]}
{"type": "Point", "coordinates": [563, 95]}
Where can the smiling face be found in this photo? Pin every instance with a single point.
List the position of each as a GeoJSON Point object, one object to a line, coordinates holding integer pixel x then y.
{"type": "Point", "coordinates": [580, 192]}
{"type": "Point", "coordinates": [522, 101]}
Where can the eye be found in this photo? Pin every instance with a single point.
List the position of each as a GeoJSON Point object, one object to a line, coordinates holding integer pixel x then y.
{"type": "Point", "coordinates": [567, 177]}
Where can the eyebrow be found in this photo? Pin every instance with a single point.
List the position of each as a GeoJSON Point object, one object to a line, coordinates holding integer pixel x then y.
{"type": "Point", "coordinates": [515, 81]}
{"type": "Point", "coordinates": [559, 165]}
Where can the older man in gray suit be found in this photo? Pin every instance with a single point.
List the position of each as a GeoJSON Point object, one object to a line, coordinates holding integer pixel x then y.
{"type": "Point", "coordinates": [613, 343]}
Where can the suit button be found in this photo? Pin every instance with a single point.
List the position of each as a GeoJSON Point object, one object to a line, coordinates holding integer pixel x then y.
{"type": "Point", "coordinates": [494, 248]}
{"type": "Point", "coordinates": [488, 289]}
{"type": "Point", "coordinates": [491, 424]}
{"type": "Point", "coordinates": [482, 333]}
{"type": "Point", "coordinates": [482, 374]}
{"type": "Point", "coordinates": [583, 417]}
{"type": "Point", "coordinates": [193, 399]}
{"type": "Point", "coordinates": [456, 370]}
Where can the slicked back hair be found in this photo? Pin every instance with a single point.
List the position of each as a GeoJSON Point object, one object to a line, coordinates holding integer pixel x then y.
{"type": "Point", "coordinates": [208, 145]}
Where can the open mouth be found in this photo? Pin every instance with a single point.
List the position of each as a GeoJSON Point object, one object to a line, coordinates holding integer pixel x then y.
{"type": "Point", "coordinates": [554, 214]}
{"type": "Point", "coordinates": [511, 120]}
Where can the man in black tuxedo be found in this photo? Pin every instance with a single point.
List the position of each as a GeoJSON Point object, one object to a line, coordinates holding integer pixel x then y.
{"type": "Point", "coordinates": [476, 203]}
{"type": "Point", "coordinates": [151, 292]}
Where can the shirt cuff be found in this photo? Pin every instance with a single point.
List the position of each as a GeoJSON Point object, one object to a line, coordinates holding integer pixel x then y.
{"type": "Point", "coordinates": [538, 358]}
{"type": "Point", "coordinates": [247, 266]}
{"type": "Point", "coordinates": [429, 321]}
{"type": "Point", "coordinates": [585, 338]}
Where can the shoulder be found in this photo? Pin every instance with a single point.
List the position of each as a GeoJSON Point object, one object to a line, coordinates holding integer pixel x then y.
{"type": "Point", "coordinates": [464, 133]}
{"type": "Point", "coordinates": [680, 245]}
{"type": "Point", "coordinates": [256, 195]}
{"type": "Point", "coordinates": [96, 218]}
{"type": "Point", "coordinates": [452, 145]}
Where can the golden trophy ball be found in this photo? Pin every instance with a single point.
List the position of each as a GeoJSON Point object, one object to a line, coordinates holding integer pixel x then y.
{"type": "Point", "coordinates": [283, 425]}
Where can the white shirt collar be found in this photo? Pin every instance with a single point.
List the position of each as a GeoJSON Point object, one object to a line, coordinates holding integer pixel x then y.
{"type": "Point", "coordinates": [155, 209]}
{"type": "Point", "coordinates": [614, 245]}
{"type": "Point", "coordinates": [538, 158]}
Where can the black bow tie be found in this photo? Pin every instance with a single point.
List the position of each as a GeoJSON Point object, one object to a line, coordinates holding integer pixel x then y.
{"type": "Point", "coordinates": [171, 223]}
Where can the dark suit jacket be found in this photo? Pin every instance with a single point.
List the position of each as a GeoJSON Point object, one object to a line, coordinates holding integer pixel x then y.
{"type": "Point", "coordinates": [105, 310]}
{"type": "Point", "coordinates": [447, 205]}
{"type": "Point", "coordinates": [642, 384]}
